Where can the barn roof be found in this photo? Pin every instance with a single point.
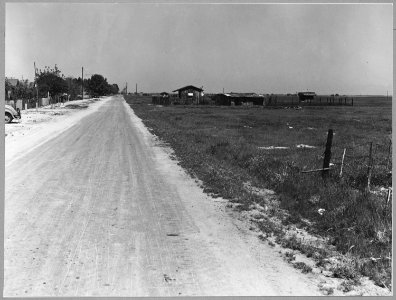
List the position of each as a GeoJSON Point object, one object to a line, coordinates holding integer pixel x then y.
{"type": "Point", "coordinates": [188, 87]}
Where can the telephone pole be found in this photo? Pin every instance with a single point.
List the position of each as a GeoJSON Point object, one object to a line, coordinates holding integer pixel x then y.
{"type": "Point", "coordinates": [136, 89]}
{"type": "Point", "coordinates": [35, 84]}
{"type": "Point", "coordinates": [126, 88]}
{"type": "Point", "coordinates": [82, 82]}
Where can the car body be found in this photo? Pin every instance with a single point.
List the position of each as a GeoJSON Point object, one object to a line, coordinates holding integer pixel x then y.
{"type": "Point", "coordinates": [11, 113]}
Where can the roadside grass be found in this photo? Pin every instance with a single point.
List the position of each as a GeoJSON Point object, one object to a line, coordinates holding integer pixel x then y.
{"type": "Point", "coordinates": [303, 267]}
{"type": "Point", "coordinates": [221, 147]}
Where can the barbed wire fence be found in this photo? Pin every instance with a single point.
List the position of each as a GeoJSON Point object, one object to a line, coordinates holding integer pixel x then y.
{"type": "Point", "coordinates": [363, 165]}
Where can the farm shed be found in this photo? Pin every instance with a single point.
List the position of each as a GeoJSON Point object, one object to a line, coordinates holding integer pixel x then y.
{"type": "Point", "coordinates": [190, 94]}
{"type": "Point", "coordinates": [239, 99]}
{"type": "Point", "coordinates": [306, 96]}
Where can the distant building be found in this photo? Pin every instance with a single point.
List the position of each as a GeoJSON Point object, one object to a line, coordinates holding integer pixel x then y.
{"type": "Point", "coordinates": [190, 94]}
{"type": "Point", "coordinates": [239, 99]}
{"type": "Point", "coordinates": [306, 96]}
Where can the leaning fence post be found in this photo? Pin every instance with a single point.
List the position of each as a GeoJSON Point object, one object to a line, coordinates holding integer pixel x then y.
{"type": "Point", "coordinates": [327, 154]}
{"type": "Point", "coordinates": [389, 155]}
{"type": "Point", "coordinates": [369, 167]}
{"type": "Point", "coordinates": [389, 195]}
{"type": "Point", "coordinates": [342, 161]}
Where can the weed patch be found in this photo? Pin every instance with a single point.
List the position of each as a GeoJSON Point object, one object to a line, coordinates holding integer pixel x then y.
{"type": "Point", "coordinates": [303, 267]}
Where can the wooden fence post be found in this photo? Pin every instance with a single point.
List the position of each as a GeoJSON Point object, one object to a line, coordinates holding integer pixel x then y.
{"type": "Point", "coordinates": [342, 162]}
{"type": "Point", "coordinates": [327, 154]}
{"type": "Point", "coordinates": [388, 196]}
{"type": "Point", "coordinates": [389, 155]}
{"type": "Point", "coordinates": [370, 166]}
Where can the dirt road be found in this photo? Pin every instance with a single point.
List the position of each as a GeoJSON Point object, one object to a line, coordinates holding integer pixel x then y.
{"type": "Point", "coordinates": [101, 210]}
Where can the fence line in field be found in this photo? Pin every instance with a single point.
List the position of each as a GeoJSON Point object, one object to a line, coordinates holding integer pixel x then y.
{"type": "Point", "coordinates": [284, 100]}
{"type": "Point", "coordinates": [369, 160]}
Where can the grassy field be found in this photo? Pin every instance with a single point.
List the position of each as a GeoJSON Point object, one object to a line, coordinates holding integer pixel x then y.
{"type": "Point", "coordinates": [230, 148]}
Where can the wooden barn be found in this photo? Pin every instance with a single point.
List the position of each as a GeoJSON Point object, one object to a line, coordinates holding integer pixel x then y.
{"type": "Point", "coordinates": [190, 94]}
{"type": "Point", "coordinates": [239, 99]}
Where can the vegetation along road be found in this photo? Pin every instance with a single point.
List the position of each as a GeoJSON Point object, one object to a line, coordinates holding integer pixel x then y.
{"type": "Point", "coordinates": [100, 209]}
{"type": "Point", "coordinates": [240, 152]}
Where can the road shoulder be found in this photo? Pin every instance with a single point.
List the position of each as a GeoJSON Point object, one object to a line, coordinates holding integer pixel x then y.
{"type": "Point", "coordinates": [36, 128]}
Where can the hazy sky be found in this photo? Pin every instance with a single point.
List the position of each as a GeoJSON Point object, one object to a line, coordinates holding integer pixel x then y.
{"type": "Point", "coordinates": [346, 49]}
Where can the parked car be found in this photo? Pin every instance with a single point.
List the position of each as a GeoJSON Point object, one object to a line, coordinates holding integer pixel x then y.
{"type": "Point", "coordinates": [11, 113]}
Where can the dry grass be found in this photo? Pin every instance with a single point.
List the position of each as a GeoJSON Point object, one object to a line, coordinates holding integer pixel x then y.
{"type": "Point", "coordinates": [220, 146]}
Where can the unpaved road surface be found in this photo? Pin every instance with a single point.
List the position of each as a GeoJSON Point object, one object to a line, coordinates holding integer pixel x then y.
{"type": "Point", "coordinates": [101, 210]}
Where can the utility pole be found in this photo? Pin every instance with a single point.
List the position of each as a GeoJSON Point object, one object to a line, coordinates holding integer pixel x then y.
{"type": "Point", "coordinates": [68, 89]}
{"type": "Point", "coordinates": [126, 88]}
{"type": "Point", "coordinates": [35, 84]}
{"type": "Point", "coordinates": [82, 82]}
{"type": "Point", "coordinates": [136, 89]}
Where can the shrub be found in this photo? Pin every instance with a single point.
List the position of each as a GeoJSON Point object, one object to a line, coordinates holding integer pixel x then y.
{"type": "Point", "coordinates": [303, 267]}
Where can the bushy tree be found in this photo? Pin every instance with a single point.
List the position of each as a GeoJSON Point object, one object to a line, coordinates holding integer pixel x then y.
{"type": "Point", "coordinates": [114, 88]}
{"type": "Point", "coordinates": [98, 86]}
{"type": "Point", "coordinates": [51, 80]}
{"type": "Point", "coordinates": [22, 90]}
{"type": "Point", "coordinates": [74, 87]}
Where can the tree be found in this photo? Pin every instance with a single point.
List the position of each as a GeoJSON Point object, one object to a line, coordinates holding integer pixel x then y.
{"type": "Point", "coordinates": [8, 89]}
{"type": "Point", "coordinates": [114, 88]}
{"type": "Point", "coordinates": [22, 90]}
{"type": "Point", "coordinates": [74, 87]}
{"type": "Point", "coordinates": [51, 80]}
{"type": "Point", "coordinates": [98, 86]}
